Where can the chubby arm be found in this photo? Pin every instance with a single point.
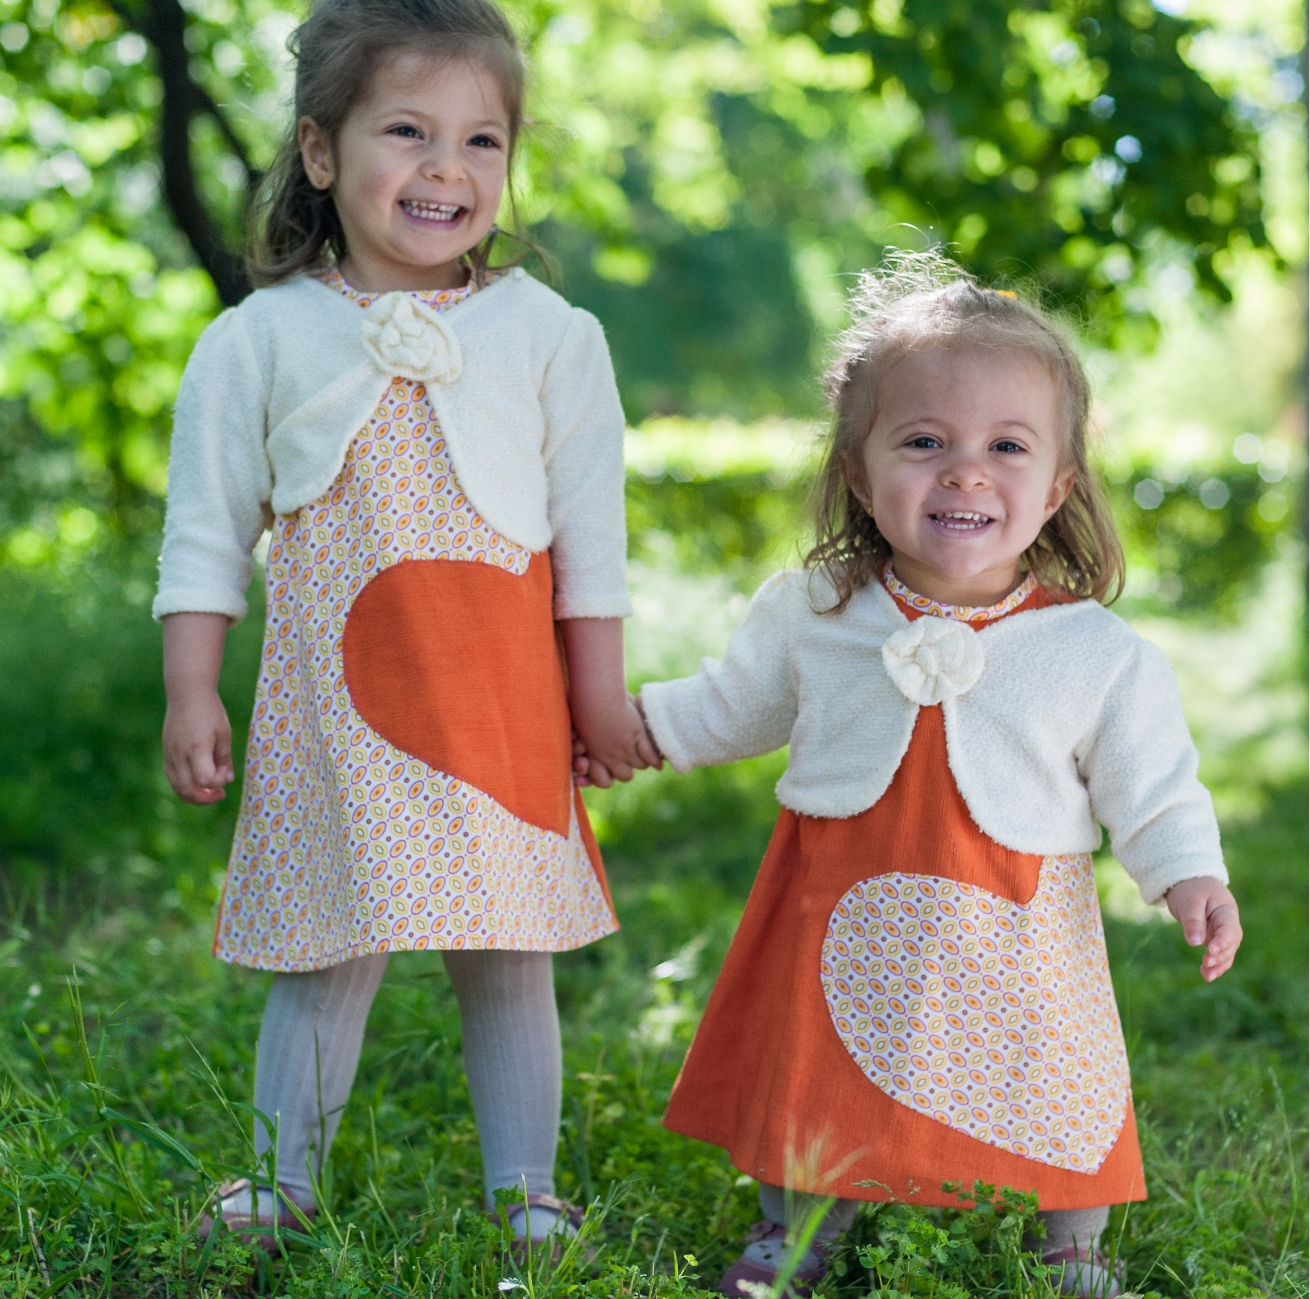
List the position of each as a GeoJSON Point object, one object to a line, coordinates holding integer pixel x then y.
{"type": "Point", "coordinates": [609, 727]}
{"type": "Point", "coordinates": [197, 736]}
{"type": "Point", "coordinates": [1141, 773]}
{"type": "Point", "coordinates": [740, 706]}
{"type": "Point", "coordinates": [1140, 768]}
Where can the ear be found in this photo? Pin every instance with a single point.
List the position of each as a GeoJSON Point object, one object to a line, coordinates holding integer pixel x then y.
{"type": "Point", "coordinates": [855, 481]}
{"type": "Point", "coordinates": [315, 153]}
{"type": "Point", "coordinates": [1060, 490]}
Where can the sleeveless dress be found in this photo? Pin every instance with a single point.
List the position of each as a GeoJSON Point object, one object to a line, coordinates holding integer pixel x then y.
{"type": "Point", "coordinates": [908, 1005]}
{"type": "Point", "coordinates": [408, 769]}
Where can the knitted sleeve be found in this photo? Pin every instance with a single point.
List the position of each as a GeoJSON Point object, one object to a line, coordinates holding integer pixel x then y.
{"type": "Point", "coordinates": [219, 478]}
{"type": "Point", "coordinates": [737, 707]}
{"type": "Point", "coordinates": [583, 453]}
{"type": "Point", "coordinates": [1140, 767]}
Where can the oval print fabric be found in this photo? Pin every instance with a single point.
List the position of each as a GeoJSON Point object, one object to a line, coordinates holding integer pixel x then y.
{"type": "Point", "coordinates": [993, 1018]}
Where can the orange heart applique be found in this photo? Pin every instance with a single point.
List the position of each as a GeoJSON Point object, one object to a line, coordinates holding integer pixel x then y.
{"type": "Point", "coordinates": [456, 664]}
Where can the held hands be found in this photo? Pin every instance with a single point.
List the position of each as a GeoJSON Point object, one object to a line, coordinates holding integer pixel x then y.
{"type": "Point", "coordinates": [1208, 914]}
{"type": "Point", "coordinates": [614, 747]}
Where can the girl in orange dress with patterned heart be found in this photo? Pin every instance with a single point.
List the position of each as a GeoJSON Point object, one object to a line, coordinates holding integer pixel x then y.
{"type": "Point", "coordinates": [436, 447]}
{"type": "Point", "coordinates": [918, 993]}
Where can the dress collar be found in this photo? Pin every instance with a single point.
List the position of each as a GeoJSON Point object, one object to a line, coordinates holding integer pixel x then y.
{"type": "Point", "coordinates": [973, 614]}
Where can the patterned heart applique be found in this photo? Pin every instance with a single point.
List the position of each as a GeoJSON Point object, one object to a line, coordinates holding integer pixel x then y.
{"type": "Point", "coordinates": [993, 1018]}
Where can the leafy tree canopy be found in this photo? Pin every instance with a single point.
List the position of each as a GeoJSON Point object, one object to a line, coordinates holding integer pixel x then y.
{"type": "Point", "coordinates": [705, 171]}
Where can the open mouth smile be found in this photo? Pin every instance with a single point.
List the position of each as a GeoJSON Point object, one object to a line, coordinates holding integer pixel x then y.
{"type": "Point", "coordinates": [434, 213]}
{"type": "Point", "coordinates": [961, 523]}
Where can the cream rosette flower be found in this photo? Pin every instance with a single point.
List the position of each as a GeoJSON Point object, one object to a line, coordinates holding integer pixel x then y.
{"type": "Point", "coordinates": [407, 337]}
{"type": "Point", "coordinates": [933, 659]}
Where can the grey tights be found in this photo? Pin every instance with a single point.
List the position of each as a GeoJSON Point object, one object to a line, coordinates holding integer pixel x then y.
{"type": "Point", "coordinates": [309, 1045]}
{"type": "Point", "coordinates": [1064, 1227]}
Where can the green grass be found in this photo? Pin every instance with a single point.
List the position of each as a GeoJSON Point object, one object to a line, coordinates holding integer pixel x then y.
{"type": "Point", "coordinates": [116, 1119]}
{"type": "Point", "coordinates": [115, 1122]}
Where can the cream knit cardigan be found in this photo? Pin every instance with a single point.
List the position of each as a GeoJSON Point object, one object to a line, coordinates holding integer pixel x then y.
{"type": "Point", "coordinates": [1072, 720]}
{"type": "Point", "coordinates": [278, 387]}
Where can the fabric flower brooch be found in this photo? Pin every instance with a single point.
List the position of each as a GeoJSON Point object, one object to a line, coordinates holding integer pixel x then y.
{"type": "Point", "coordinates": [407, 337]}
{"type": "Point", "coordinates": [933, 659]}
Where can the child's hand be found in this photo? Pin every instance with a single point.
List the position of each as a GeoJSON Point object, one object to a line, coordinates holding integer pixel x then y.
{"type": "Point", "coordinates": [1208, 914]}
{"type": "Point", "coordinates": [198, 748]}
{"type": "Point", "coordinates": [197, 737]}
{"type": "Point", "coordinates": [613, 745]}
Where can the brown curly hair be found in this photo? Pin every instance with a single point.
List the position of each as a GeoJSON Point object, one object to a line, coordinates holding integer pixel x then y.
{"type": "Point", "coordinates": [923, 299]}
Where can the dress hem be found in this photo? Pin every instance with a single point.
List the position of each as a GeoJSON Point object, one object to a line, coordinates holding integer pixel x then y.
{"type": "Point", "coordinates": [387, 948]}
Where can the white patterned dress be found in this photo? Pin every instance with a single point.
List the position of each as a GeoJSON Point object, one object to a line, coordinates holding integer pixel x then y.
{"type": "Point", "coordinates": [351, 841]}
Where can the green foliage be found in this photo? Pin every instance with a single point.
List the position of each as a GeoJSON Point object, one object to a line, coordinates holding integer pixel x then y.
{"type": "Point", "coordinates": [704, 172]}
{"type": "Point", "coordinates": [1200, 541]}
{"type": "Point", "coordinates": [1066, 141]}
{"type": "Point", "coordinates": [120, 1109]}
{"type": "Point", "coordinates": [81, 704]}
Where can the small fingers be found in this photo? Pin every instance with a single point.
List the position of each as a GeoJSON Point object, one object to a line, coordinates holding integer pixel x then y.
{"type": "Point", "coordinates": [1186, 903]}
{"type": "Point", "coordinates": [600, 775]}
{"type": "Point", "coordinates": [223, 772]}
{"type": "Point", "coordinates": [648, 753]}
{"type": "Point", "coordinates": [204, 777]}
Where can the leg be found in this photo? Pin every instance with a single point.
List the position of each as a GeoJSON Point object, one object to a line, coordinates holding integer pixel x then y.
{"type": "Point", "coordinates": [512, 1057]}
{"type": "Point", "coordinates": [309, 1046]}
{"type": "Point", "coordinates": [1072, 1237]}
{"type": "Point", "coordinates": [791, 1208]}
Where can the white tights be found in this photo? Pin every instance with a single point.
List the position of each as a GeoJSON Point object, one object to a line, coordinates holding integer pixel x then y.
{"type": "Point", "coordinates": [309, 1045]}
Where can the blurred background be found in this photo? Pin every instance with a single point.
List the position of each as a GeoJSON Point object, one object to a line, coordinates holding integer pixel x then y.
{"type": "Point", "coordinates": [706, 176]}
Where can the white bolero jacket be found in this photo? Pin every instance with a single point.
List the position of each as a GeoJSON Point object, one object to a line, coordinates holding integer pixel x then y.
{"type": "Point", "coordinates": [1058, 721]}
{"type": "Point", "coordinates": [278, 387]}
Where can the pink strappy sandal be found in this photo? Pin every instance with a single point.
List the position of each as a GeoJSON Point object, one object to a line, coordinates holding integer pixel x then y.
{"type": "Point", "coordinates": [803, 1280]}
{"type": "Point", "coordinates": [241, 1219]}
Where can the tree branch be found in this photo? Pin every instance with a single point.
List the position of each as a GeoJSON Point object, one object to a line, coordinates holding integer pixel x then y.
{"type": "Point", "coordinates": [163, 24]}
{"type": "Point", "coordinates": [234, 142]}
{"type": "Point", "coordinates": [180, 188]}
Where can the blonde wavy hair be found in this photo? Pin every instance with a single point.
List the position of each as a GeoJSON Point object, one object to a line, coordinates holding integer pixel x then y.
{"type": "Point", "coordinates": [919, 300]}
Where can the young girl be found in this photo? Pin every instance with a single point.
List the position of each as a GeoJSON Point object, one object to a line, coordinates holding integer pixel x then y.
{"type": "Point", "coordinates": [436, 448]}
{"type": "Point", "coordinates": [918, 992]}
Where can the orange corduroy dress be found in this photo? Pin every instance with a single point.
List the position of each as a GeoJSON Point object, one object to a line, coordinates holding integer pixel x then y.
{"type": "Point", "coordinates": [908, 1004]}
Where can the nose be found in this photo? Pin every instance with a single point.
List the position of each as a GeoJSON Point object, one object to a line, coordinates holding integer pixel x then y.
{"type": "Point", "coordinates": [442, 161]}
{"type": "Point", "coordinates": [965, 471]}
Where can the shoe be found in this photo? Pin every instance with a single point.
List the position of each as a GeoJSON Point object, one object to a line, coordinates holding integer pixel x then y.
{"type": "Point", "coordinates": [762, 1260]}
{"type": "Point", "coordinates": [1085, 1274]}
{"type": "Point", "coordinates": [239, 1206]}
{"type": "Point", "coordinates": [565, 1219]}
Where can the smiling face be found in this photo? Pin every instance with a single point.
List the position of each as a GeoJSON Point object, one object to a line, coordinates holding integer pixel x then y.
{"type": "Point", "coordinates": [416, 172]}
{"type": "Point", "coordinates": [962, 468]}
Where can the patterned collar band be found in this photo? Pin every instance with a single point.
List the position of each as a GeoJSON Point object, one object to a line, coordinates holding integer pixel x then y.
{"type": "Point", "coordinates": [958, 612]}
{"type": "Point", "coordinates": [437, 298]}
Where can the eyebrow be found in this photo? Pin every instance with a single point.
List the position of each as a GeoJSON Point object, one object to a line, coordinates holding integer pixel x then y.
{"type": "Point", "coordinates": [400, 110]}
{"type": "Point", "coordinates": [906, 425]}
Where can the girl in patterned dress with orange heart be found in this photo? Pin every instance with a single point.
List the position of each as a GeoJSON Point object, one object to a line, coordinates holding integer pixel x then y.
{"type": "Point", "coordinates": [436, 447]}
{"type": "Point", "coordinates": [918, 994]}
